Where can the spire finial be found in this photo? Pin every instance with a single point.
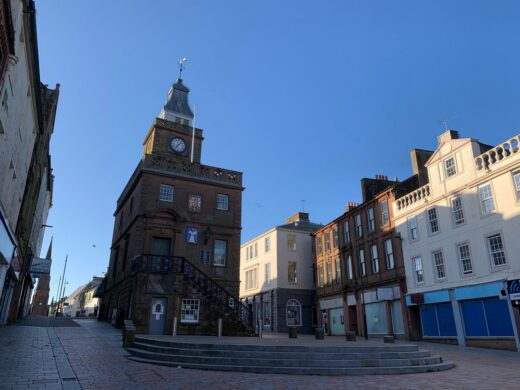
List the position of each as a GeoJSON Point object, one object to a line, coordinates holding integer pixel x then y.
{"type": "Point", "coordinates": [182, 64]}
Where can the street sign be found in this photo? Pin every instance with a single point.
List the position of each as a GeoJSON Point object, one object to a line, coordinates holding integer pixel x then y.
{"type": "Point", "coordinates": [513, 290]}
{"type": "Point", "coordinates": [41, 266]}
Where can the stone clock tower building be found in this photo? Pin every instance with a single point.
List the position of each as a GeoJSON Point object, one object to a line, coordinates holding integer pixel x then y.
{"type": "Point", "coordinates": [176, 239]}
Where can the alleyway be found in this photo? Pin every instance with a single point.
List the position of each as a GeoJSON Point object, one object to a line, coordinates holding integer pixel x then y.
{"type": "Point", "coordinates": [89, 356]}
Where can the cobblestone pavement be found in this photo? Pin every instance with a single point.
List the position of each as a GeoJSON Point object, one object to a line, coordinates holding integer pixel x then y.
{"type": "Point", "coordinates": [90, 357]}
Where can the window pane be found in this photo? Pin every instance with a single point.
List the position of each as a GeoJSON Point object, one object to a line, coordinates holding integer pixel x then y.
{"type": "Point", "coordinates": [496, 250]}
{"type": "Point", "coordinates": [166, 193]}
{"type": "Point", "coordinates": [450, 167]}
{"type": "Point", "coordinates": [438, 261]}
{"type": "Point", "coordinates": [433, 223]}
{"type": "Point", "coordinates": [429, 321]}
{"type": "Point", "coordinates": [446, 320]}
{"type": "Point", "coordinates": [335, 238]}
{"type": "Point", "coordinates": [486, 199]}
{"type": "Point", "coordinates": [384, 213]}
{"type": "Point", "coordinates": [457, 211]}
{"type": "Point", "coordinates": [292, 276]}
{"type": "Point", "coordinates": [222, 202]}
{"type": "Point", "coordinates": [291, 242]}
{"type": "Point", "coordinates": [220, 253]}
{"type": "Point", "coordinates": [375, 259]}
{"type": "Point", "coordinates": [419, 275]}
{"type": "Point", "coordinates": [412, 225]}
{"type": "Point", "coordinates": [465, 259]}
{"type": "Point", "coordinates": [346, 233]}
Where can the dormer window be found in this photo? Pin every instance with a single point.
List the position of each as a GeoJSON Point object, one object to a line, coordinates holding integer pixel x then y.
{"type": "Point", "coordinates": [450, 167]}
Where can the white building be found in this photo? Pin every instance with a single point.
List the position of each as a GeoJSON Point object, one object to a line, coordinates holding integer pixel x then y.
{"type": "Point", "coordinates": [461, 236]}
{"type": "Point", "coordinates": [18, 128]}
{"type": "Point", "coordinates": [276, 276]}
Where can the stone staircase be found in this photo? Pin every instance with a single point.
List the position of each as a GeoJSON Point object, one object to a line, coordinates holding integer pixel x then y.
{"type": "Point", "coordinates": [288, 359]}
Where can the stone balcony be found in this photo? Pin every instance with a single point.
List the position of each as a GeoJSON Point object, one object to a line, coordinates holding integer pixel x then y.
{"type": "Point", "coordinates": [499, 153]}
{"type": "Point", "coordinates": [413, 197]}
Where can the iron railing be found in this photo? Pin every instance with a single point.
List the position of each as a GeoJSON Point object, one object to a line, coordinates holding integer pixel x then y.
{"type": "Point", "coordinates": [223, 300]}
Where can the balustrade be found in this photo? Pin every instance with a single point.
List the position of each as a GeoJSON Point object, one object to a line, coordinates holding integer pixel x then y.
{"type": "Point", "coordinates": [498, 153]}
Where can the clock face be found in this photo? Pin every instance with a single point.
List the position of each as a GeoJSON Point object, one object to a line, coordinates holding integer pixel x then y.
{"type": "Point", "coordinates": [178, 145]}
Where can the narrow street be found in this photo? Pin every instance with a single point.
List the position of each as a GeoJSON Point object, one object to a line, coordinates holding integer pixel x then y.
{"type": "Point", "coordinates": [63, 355]}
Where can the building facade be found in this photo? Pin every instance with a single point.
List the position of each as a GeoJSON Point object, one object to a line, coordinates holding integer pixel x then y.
{"type": "Point", "coordinates": [176, 243]}
{"type": "Point", "coordinates": [460, 238]}
{"type": "Point", "coordinates": [27, 113]}
{"type": "Point", "coordinates": [276, 274]}
{"type": "Point", "coordinates": [360, 275]}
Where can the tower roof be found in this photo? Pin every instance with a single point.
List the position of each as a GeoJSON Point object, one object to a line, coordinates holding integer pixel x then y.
{"type": "Point", "coordinates": [49, 251]}
{"type": "Point", "coordinates": [177, 101]}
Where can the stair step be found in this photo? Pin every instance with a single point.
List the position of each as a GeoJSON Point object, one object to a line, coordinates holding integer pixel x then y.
{"type": "Point", "coordinates": [279, 348]}
{"type": "Point", "coordinates": [304, 370]}
{"type": "Point", "coordinates": [280, 355]}
{"type": "Point", "coordinates": [304, 360]}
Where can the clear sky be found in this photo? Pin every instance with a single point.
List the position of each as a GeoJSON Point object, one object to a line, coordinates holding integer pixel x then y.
{"type": "Point", "coordinates": [304, 97]}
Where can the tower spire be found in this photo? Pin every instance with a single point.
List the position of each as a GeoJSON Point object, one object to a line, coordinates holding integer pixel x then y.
{"type": "Point", "coordinates": [49, 251]}
{"type": "Point", "coordinates": [177, 108]}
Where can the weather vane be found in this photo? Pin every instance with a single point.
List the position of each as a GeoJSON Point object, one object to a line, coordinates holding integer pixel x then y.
{"type": "Point", "coordinates": [444, 123]}
{"type": "Point", "coordinates": [182, 64]}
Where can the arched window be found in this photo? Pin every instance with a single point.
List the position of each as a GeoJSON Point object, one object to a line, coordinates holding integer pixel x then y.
{"type": "Point", "coordinates": [294, 313]}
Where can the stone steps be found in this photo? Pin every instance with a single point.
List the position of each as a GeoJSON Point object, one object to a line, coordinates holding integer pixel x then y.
{"type": "Point", "coordinates": [305, 370]}
{"type": "Point", "coordinates": [282, 355]}
{"type": "Point", "coordinates": [287, 359]}
{"type": "Point", "coordinates": [276, 361]}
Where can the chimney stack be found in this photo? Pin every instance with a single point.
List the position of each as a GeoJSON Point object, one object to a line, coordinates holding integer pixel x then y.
{"type": "Point", "coordinates": [351, 205]}
{"type": "Point", "coordinates": [297, 217]}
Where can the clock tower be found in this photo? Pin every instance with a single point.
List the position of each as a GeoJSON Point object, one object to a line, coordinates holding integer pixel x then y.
{"type": "Point", "coordinates": [173, 134]}
{"type": "Point", "coordinates": [175, 252]}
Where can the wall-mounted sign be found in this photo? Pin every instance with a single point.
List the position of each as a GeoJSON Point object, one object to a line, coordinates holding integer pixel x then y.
{"type": "Point", "coordinates": [417, 298]}
{"type": "Point", "coordinates": [40, 266]}
{"type": "Point", "coordinates": [192, 234]}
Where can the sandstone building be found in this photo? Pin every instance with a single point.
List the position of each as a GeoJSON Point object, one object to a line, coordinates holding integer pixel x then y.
{"type": "Point", "coordinates": [176, 242]}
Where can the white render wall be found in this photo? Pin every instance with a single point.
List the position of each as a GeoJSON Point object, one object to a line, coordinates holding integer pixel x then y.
{"type": "Point", "coordinates": [505, 219]}
{"type": "Point", "coordinates": [17, 113]}
{"type": "Point", "coordinates": [279, 257]}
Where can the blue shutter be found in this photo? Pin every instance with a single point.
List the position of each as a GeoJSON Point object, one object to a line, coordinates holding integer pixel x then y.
{"type": "Point", "coordinates": [429, 320]}
{"type": "Point", "coordinates": [474, 321]}
{"type": "Point", "coordinates": [446, 320]}
{"type": "Point", "coordinates": [497, 314]}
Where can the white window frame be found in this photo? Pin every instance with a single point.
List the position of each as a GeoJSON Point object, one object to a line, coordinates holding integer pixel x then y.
{"type": "Point", "coordinates": [418, 272]}
{"type": "Point", "coordinates": [251, 278]}
{"type": "Point", "coordinates": [335, 237]}
{"type": "Point", "coordinates": [492, 251]}
{"type": "Point", "coordinates": [455, 210]}
{"type": "Point", "coordinates": [439, 265]}
{"type": "Point", "coordinates": [291, 247]}
{"type": "Point", "coordinates": [328, 268]}
{"type": "Point", "coordinates": [389, 255]}
{"type": "Point", "coordinates": [222, 202]}
{"type": "Point", "coordinates": [466, 257]}
{"type": "Point", "coordinates": [433, 220]}
{"type": "Point", "coordinates": [166, 193]}
{"type": "Point", "coordinates": [413, 226]}
{"type": "Point", "coordinates": [375, 258]}
{"type": "Point", "coordinates": [337, 267]}
{"type": "Point", "coordinates": [267, 244]}
{"type": "Point", "coordinates": [346, 232]}
{"type": "Point", "coordinates": [516, 184]}
{"type": "Point", "coordinates": [450, 170]}
{"type": "Point", "coordinates": [267, 273]}
{"type": "Point", "coordinates": [362, 262]}
{"type": "Point", "coordinates": [220, 264]}
{"type": "Point", "coordinates": [359, 225]}
{"type": "Point", "coordinates": [488, 197]}
{"type": "Point", "coordinates": [371, 220]}
{"type": "Point", "coordinates": [327, 241]}
{"type": "Point", "coordinates": [295, 281]}
{"type": "Point", "coordinates": [385, 217]}
{"type": "Point", "coordinates": [190, 310]}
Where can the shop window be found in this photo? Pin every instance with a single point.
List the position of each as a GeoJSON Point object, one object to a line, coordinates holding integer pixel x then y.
{"type": "Point", "coordinates": [486, 318]}
{"type": "Point", "coordinates": [437, 320]}
{"type": "Point", "coordinates": [294, 313]}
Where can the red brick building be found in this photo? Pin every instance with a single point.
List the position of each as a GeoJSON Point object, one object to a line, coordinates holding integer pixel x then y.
{"type": "Point", "coordinates": [176, 242]}
{"type": "Point", "coordinates": [359, 266]}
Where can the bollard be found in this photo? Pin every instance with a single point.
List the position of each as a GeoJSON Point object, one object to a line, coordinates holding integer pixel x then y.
{"type": "Point", "coordinates": [319, 334]}
{"type": "Point", "coordinates": [128, 333]}
{"type": "Point", "coordinates": [260, 329]}
{"type": "Point", "coordinates": [293, 332]}
{"type": "Point", "coordinates": [389, 339]}
{"type": "Point", "coordinates": [219, 327]}
{"type": "Point", "coordinates": [174, 333]}
{"type": "Point", "coordinates": [350, 336]}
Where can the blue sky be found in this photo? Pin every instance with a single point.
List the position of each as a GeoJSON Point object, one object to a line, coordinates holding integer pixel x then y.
{"type": "Point", "coordinates": [304, 97]}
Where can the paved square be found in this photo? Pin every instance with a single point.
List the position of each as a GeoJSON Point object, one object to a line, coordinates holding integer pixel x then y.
{"type": "Point", "coordinates": [90, 357]}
